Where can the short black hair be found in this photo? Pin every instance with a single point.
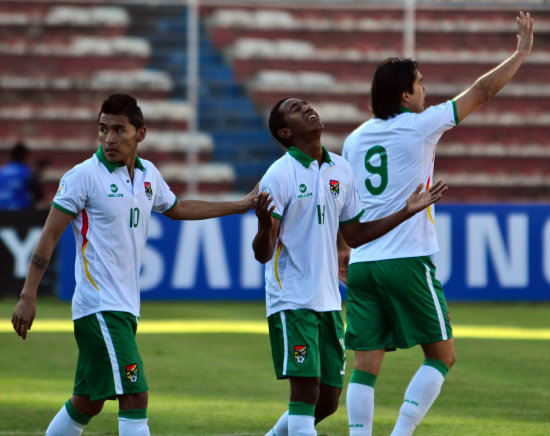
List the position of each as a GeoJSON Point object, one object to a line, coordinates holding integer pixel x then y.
{"type": "Point", "coordinates": [277, 122]}
{"type": "Point", "coordinates": [392, 77]}
{"type": "Point", "coordinates": [19, 152]}
{"type": "Point", "coordinates": [123, 104]}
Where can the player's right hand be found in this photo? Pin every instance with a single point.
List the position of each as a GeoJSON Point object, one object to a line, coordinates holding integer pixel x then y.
{"type": "Point", "coordinates": [23, 316]}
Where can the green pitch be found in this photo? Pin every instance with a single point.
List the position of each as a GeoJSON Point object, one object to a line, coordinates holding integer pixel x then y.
{"type": "Point", "coordinates": [210, 373]}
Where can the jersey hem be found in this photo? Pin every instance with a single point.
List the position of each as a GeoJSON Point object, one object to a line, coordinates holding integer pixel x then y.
{"type": "Point", "coordinates": [94, 311]}
{"type": "Point", "coordinates": [274, 311]}
{"type": "Point", "coordinates": [408, 256]}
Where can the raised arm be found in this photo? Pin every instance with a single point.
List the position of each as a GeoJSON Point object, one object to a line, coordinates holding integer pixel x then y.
{"type": "Point", "coordinates": [25, 311]}
{"type": "Point", "coordinates": [199, 210]}
{"type": "Point", "coordinates": [357, 233]}
{"type": "Point", "coordinates": [268, 229]}
{"type": "Point", "coordinates": [486, 86]}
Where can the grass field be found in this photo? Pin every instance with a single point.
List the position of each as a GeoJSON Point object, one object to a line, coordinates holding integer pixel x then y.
{"type": "Point", "coordinates": [210, 373]}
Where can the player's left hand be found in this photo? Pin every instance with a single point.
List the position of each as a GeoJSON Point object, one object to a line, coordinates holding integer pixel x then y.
{"type": "Point", "coordinates": [418, 201]}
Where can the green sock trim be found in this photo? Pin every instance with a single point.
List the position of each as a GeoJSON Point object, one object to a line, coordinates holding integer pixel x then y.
{"type": "Point", "coordinates": [77, 416]}
{"type": "Point", "coordinates": [363, 378]}
{"type": "Point", "coordinates": [133, 413]}
{"type": "Point", "coordinates": [437, 364]}
{"type": "Point", "coordinates": [299, 408]}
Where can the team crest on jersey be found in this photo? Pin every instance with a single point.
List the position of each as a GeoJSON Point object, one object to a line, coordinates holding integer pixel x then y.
{"type": "Point", "coordinates": [148, 190]}
{"type": "Point", "coordinates": [132, 372]}
{"type": "Point", "coordinates": [300, 353]}
{"type": "Point", "coordinates": [334, 188]}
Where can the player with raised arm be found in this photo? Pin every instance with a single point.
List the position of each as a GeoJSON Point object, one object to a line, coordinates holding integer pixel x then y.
{"type": "Point", "coordinates": [108, 199]}
{"type": "Point", "coordinates": [306, 197]}
{"type": "Point", "coordinates": [393, 297]}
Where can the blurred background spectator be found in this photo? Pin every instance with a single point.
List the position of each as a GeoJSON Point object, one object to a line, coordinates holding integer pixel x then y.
{"type": "Point", "coordinates": [20, 185]}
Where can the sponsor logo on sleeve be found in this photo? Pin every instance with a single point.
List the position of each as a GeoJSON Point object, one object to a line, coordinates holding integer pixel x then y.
{"type": "Point", "coordinates": [61, 189]}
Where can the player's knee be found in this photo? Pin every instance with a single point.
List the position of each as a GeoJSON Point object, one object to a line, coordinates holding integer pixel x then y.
{"type": "Point", "coordinates": [84, 405]}
{"type": "Point", "coordinates": [133, 401]}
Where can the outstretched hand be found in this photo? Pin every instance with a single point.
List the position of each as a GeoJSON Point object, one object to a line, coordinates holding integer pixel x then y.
{"type": "Point", "coordinates": [525, 33]}
{"type": "Point", "coordinates": [251, 199]}
{"type": "Point", "coordinates": [418, 201]}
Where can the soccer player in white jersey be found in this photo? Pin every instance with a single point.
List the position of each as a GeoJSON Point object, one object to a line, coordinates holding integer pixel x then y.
{"type": "Point", "coordinates": [393, 297]}
{"type": "Point", "coordinates": [306, 196]}
{"type": "Point", "coordinates": [108, 199]}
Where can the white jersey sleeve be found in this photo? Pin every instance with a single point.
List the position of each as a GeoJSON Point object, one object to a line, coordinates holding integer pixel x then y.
{"type": "Point", "coordinates": [275, 184]}
{"type": "Point", "coordinates": [74, 189]}
{"type": "Point", "coordinates": [164, 199]}
{"type": "Point", "coordinates": [436, 120]}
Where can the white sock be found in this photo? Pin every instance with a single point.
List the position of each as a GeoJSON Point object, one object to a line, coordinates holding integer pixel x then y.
{"type": "Point", "coordinates": [63, 425]}
{"type": "Point", "coordinates": [419, 397]}
{"type": "Point", "coordinates": [133, 427]}
{"type": "Point", "coordinates": [281, 428]}
{"type": "Point", "coordinates": [360, 405]}
{"type": "Point", "coordinates": [301, 425]}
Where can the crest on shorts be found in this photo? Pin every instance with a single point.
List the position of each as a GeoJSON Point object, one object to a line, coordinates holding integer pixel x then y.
{"type": "Point", "coordinates": [300, 353]}
{"type": "Point", "coordinates": [132, 372]}
{"type": "Point", "coordinates": [148, 190]}
{"type": "Point", "coordinates": [335, 188]}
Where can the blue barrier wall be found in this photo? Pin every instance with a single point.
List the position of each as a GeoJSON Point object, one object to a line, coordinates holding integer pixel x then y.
{"type": "Point", "coordinates": [488, 252]}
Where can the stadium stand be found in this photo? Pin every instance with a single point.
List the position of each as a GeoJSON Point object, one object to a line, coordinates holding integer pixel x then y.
{"type": "Point", "coordinates": [60, 58]}
{"type": "Point", "coordinates": [327, 55]}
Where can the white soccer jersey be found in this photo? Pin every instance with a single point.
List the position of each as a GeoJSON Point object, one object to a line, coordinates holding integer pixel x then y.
{"type": "Point", "coordinates": [311, 203]}
{"type": "Point", "coordinates": [389, 159]}
{"type": "Point", "coordinates": [111, 218]}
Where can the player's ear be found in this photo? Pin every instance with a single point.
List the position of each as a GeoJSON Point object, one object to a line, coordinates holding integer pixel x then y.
{"type": "Point", "coordinates": [285, 132]}
{"type": "Point", "coordinates": [405, 97]}
{"type": "Point", "coordinates": [141, 133]}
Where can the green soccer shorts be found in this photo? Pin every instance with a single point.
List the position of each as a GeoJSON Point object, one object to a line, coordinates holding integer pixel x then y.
{"type": "Point", "coordinates": [395, 303]}
{"type": "Point", "coordinates": [306, 343]}
{"type": "Point", "coordinates": [109, 363]}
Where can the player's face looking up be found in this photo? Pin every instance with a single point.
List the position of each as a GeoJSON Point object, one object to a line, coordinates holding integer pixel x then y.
{"type": "Point", "coordinates": [119, 138]}
{"type": "Point", "coordinates": [415, 101]}
{"type": "Point", "coordinates": [300, 117]}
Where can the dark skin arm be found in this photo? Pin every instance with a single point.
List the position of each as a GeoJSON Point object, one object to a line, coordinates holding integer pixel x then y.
{"type": "Point", "coordinates": [353, 234]}
{"type": "Point", "coordinates": [25, 310]}
{"type": "Point", "coordinates": [268, 229]}
{"type": "Point", "coordinates": [486, 86]}
{"type": "Point", "coordinates": [357, 233]}
{"type": "Point", "coordinates": [199, 210]}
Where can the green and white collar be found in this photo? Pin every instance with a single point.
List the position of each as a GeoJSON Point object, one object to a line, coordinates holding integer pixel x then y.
{"type": "Point", "coordinates": [305, 159]}
{"type": "Point", "coordinates": [113, 166]}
